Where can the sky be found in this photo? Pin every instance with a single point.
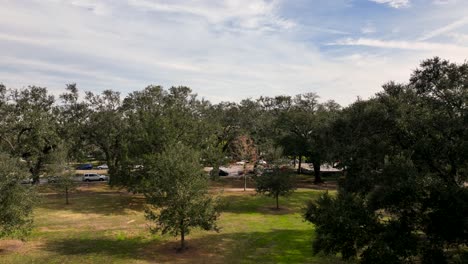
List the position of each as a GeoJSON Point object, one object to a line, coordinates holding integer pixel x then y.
{"type": "Point", "coordinates": [227, 50]}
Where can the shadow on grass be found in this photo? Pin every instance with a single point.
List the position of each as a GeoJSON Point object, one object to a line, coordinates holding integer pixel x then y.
{"type": "Point", "coordinates": [119, 248]}
{"type": "Point", "coordinates": [95, 202]}
{"type": "Point", "coordinates": [254, 203]}
{"type": "Point", "coordinates": [277, 246]}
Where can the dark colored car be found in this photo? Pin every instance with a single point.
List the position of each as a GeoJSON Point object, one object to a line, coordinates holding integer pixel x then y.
{"type": "Point", "coordinates": [85, 167]}
{"type": "Point", "coordinates": [52, 179]}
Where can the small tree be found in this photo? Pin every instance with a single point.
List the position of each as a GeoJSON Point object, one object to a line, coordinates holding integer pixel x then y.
{"type": "Point", "coordinates": [16, 199]}
{"type": "Point", "coordinates": [243, 148]}
{"type": "Point", "coordinates": [64, 184]}
{"type": "Point", "coordinates": [176, 189]}
{"type": "Point", "coordinates": [274, 183]}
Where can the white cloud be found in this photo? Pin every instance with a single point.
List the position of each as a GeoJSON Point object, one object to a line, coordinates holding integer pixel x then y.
{"type": "Point", "coordinates": [445, 29]}
{"type": "Point", "coordinates": [250, 14]}
{"type": "Point", "coordinates": [404, 45]}
{"type": "Point", "coordinates": [394, 3]}
{"type": "Point", "coordinates": [444, 2]}
{"type": "Point", "coordinates": [224, 50]}
{"type": "Point", "coordinates": [97, 7]}
{"type": "Point", "coordinates": [459, 38]}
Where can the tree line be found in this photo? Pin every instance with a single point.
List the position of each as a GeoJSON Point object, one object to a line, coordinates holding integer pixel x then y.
{"type": "Point", "coordinates": [404, 154]}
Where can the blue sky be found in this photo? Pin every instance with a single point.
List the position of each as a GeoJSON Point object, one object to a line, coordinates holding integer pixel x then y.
{"type": "Point", "coordinates": [227, 50]}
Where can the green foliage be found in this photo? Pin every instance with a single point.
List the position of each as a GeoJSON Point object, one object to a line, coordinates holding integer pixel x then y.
{"type": "Point", "coordinates": [305, 129]}
{"type": "Point", "coordinates": [404, 154]}
{"type": "Point", "coordinates": [343, 224]}
{"type": "Point", "coordinates": [176, 189]}
{"type": "Point", "coordinates": [275, 182]}
{"type": "Point", "coordinates": [16, 199]}
{"type": "Point", "coordinates": [29, 127]}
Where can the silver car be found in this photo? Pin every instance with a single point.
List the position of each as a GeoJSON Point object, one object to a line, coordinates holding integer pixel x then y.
{"type": "Point", "coordinates": [94, 177]}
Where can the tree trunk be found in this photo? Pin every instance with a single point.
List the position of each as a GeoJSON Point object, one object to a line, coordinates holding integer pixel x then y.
{"type": "Point", "coordinates": [35, 171]}
{"type": "Point", "coordinates": [245, 177]}
{"type": "Point", "coordinates": [66, 195]}
{"type": "Point", "coordinates": [317, 173]}
{"type": "Point", "coordinates": [299, 169]}
{"type": "Point", "coordinates": [277, 204]}
{"type": "Point", "coordinates": [215, 172]}
{"type": "Point", "coordinates": [182, 238]}
{"type": "Point", "coordinates": [294, 161]}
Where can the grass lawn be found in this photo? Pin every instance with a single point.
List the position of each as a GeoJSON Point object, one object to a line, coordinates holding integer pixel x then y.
{"type": "Point", "coordinates": [103, 225]}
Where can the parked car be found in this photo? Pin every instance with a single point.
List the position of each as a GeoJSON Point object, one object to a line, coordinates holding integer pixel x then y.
{"type": "Point", "coordinates": [27, 181]}
{"type": "Point", "coordinates": [94, 177]}
{"type": "Point", "coordinates": [85, 167]}
{"type": "Point", "coordinates": [52, 179]}
{"type": "Point", "coordinates": [103, 167]}
{"type": "Point", "coordinates": [262, 162]}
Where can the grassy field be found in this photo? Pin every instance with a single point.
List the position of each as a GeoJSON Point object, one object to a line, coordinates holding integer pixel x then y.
{"type": "Point", "coordinates": [103, 225]}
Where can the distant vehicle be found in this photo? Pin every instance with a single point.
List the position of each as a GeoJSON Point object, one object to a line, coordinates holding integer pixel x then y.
{"type": "Point", "coordinates": [242, 162]}
{"type": "Point", "coordinates": [85, 167]}
{"type": "Point", "coordinates": [94, 177]}
{"type": "Point", "coordinates": [27, 181]}
{"type": "Point", "coordinates": [103, 167]}
{"type": "Point", "coordinates": [262, 162]}
{"type": "Point", "coordinates": [138, 167]}
{"type": "Point", "coordinates": [53, 179]}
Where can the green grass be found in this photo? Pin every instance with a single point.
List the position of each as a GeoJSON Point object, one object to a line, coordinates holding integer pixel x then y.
{"type": "Point", "coordinates": [106, 226]}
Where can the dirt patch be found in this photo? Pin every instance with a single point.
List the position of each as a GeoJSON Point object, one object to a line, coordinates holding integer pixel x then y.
{"type": "Point", "coordinates": [9, 246]}
{"type": "Point", "coordinates": [17, 246]}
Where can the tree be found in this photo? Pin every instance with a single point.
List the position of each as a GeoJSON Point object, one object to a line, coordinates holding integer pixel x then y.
{"type": "Point", "coordinates": [72, 117]}
{"type": "Point", "coordinates": [176, 190]}
{"type": "Point", "coordinates": [106, 128]}
{"type": "Point", "coordinates": [275, 182]}
{"type": "Point", "coordinates": [156, 118]}
{"type": "Point", "coordinates": [16, 199]}
{"type": "Point", "coordinates": [403, 198]}
{"type": "Point", "coordinates": [306, 130]}
{"type": "Point", "coordinates": [244, 149]}
{"type": "Point", "coordinates": [61, 175]}
{"type": "Point", "coordinates": [64, 184]}
{"type": "Point", "coordinates": [29, 126]}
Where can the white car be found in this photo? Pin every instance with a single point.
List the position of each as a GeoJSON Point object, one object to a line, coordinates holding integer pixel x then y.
{"type": "Point", "coordinates": [27, 181]}
{"type": "Point", "coordinates": [103, 167]}
{"type": "Point", "coordinates": [94, 177]}
{"type": "Point", "coordinates": [242, 162]}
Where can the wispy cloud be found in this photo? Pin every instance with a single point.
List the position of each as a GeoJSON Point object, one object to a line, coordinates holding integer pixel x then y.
{"type": "Point", "coordinates": [459, 38]}
{"type": "Point", "coordinates": [404, 45]}
{"type": "Point", "coordinates": [224, 50]}
{"type": "Point", "coordinates": [394, 3]}
{"type": "Point", "coordinates": [445, 29]}
{"type": "Point", "coordinates": [250, 14]}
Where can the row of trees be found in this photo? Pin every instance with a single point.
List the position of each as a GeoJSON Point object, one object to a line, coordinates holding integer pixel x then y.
{"type": "Point", "coordinates": [404, 153]}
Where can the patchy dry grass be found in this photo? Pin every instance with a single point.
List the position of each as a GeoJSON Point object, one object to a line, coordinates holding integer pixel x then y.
{"type": "Point", "coordinates": [102, 225]}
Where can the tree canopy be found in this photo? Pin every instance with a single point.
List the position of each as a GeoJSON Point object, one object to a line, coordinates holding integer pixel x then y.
{"type": "Point", "coordinates": [176, 189]}
{"type": "Point", "coordinates": [405, 152]}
